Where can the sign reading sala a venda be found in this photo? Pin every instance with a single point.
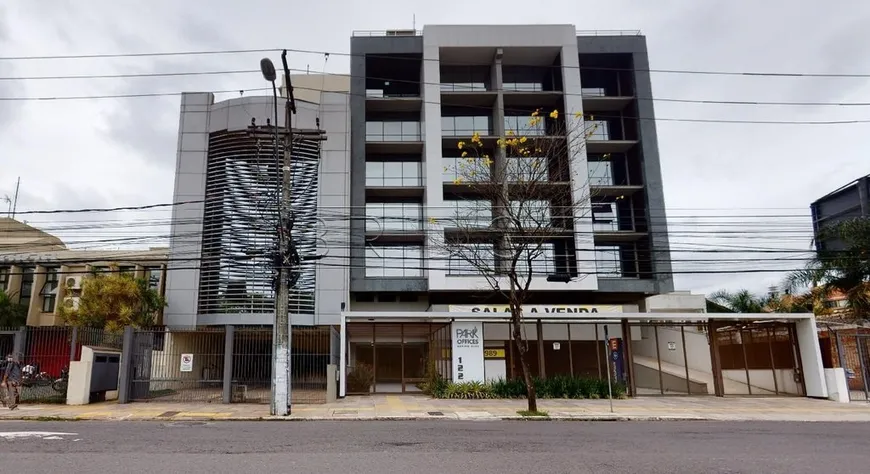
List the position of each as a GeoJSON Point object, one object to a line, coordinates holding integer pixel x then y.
{"type": "Point", "coordinates": [537, 309]}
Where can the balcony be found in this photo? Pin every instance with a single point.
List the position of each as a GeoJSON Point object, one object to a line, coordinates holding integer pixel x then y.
{"type": "Point", "coordinates": [607, 136]}
{"type": "Point", "coordinates": [609, 176]}
{"type": "Point", "coordinates": [394, 179]}
{"type": "Point", "coordinates": [379, 100]}
{"type": "Point", "coordinates": [596, 99]}
{"type": "Point", "coordinates": [610, 224]}
{"type": "Point", "coordinates": [393, 137]}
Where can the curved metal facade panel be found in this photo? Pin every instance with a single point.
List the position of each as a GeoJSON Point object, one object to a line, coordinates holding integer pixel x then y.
{"type": "Point", "coordinates": [240, 220]}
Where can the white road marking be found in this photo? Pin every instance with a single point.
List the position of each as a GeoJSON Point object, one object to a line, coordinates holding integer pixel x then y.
{"type": "Point", "coordinates": [33, 434]}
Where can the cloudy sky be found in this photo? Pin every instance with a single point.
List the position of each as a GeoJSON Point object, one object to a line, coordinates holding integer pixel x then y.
{"type": "Point", "coordinates": [718, 176]}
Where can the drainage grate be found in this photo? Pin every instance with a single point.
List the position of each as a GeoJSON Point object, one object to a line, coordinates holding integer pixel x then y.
{"type": "Point", "coordinates": [436, 413]}
{"type": "Point", "coordinates": [168, 414]}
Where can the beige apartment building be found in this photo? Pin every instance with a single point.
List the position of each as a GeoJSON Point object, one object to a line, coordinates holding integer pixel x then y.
{"type": "Point", "coordinates": [40, 272]}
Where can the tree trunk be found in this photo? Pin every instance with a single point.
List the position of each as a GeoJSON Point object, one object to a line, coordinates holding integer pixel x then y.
{"type": "Point", "coordinates": [522, 349]}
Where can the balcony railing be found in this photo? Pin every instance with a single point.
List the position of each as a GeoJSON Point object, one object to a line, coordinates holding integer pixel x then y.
{"type": "Point", "coordinates": [382, 94]}
{"type": "Point", "coordinates": [609, 33]}
{"type": "Point", "coordinates": [387, 33]}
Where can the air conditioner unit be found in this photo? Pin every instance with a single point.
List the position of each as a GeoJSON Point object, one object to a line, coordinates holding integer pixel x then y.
{"type": "Point", "coordinates": [74, 282]}
{"type": "Point", "coordinates": [71, 302]}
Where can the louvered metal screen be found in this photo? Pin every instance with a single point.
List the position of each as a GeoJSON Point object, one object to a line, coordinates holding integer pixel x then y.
{"type": "Point", "coordinates": [240, 222]}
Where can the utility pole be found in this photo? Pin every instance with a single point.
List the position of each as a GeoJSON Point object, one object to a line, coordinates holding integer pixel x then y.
{"type": "Point", "coordinates": [281, 405]}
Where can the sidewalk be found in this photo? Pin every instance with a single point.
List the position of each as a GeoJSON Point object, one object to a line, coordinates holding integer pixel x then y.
{"type": "Point", "coordinates": [412, 407]}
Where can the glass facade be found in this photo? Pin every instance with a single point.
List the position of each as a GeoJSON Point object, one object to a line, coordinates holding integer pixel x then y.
{"type": "Point", "coordinates": [394, 131]}
{"type": "Point", "coordinates": [393, 216]}
{"type": "Point", "coordinates": [471, 259]}
{"type": "Point", "coordinates": [465, 169]}
{"type": "Point", "coordinates": [543, 261]}
{"type": "Point", "coordinates": [466, 126]}
{"type": "Point", "coordinates": [469, 213]}
{"type": "Point", "coordinates": [527, 169]}
{"type": "Point", "coordinates": [600, 173]}
{"type": "Point", "coordinates": [465, 78]}
{"type": "Point", "coordinates": [597, 130]}
{"type": "Point", "coordinates": [607, 261]}
{"type": "Point", "coordinates": [521, 125]}
{"type": "Point", "coordinates": [532, 214]}
{"type": "Point", "coordinates": [394, 173]}
{"type": "Point", "coordinates": [394, 261]}
{"type": "Point", "coordinates": [605, 217]}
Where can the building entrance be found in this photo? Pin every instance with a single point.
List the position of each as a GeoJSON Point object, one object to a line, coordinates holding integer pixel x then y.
{"type": "Point", "coordinates": [394, 357]}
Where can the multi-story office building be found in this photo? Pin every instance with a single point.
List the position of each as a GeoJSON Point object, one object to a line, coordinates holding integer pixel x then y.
{"type": "Point", "coordinates": [373, 265]}
{"type": "Point", "coordinates": [847, 202]}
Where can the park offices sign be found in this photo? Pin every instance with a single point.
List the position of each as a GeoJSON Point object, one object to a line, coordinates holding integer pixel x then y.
{"type": "Point", "coordinates": [537, 309]}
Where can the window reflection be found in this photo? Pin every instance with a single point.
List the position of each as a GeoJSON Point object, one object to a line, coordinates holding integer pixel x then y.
{"type": "Point", "coordinates": [393, 173]}
{"type": "Point", "coordinates": [458, 170]}
{"type": "Point", "coordinates": [607, 261]}
{"type": "Point", "coordinates": [393, 216]}
{"type": "Point", "coordinates": [394, 261]}
{"type": "Point", "coordinates": [470, 259]}
{"type": "Point", "coordinates": [600, 173]}
{"type": "Point", "coordinates": [393, 131]}
{"type": "Point", "coordinates": [465, 126]}
{"type": "Point", "coordinates": [522, 125]}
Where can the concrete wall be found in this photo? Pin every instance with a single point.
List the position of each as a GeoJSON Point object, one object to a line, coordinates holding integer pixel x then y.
{"type": "Point", "coordinates": [333, 274]}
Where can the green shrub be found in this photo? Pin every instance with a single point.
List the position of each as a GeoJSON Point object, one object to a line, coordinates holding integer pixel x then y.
{"type": "Point", "coordinates": [558, 386]}
{"type": "Point", "coordinates": [468, 390]}
{"type": "Point", "coordinates": [360, 379]}
{"type": "Point", "coordinates": [508, 388]}
{"type": "Point", "coordinates": [435, 385]}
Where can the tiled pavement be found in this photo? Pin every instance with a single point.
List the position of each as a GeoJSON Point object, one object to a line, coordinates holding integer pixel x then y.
{"type": "Point", "coordinates": [420, 407]}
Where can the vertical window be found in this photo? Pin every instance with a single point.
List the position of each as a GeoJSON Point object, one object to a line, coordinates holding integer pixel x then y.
{"type": "Point", "coordinates": [4, 278]}
{"type": "Point", "coordinates": [607, 261]}
{"type": "Point", "coordinates": [597, 130]}
{"type": "Point", "coordinates": [49, 290]}
{"type": "Point", "coordinates": [464, 170]}
{"type": "Point", "coordinates": [542, 259]}
{"type": "Point", "coordinates": [469, 213]}
{"type": "Point", "coordinates": [393, 131]}
{"type": "Point", "coordinates": [394, 261]}
{"type": "Point", "coordinates": [27, 276]}
{"type": "Point", "coordinates": [531, 214]}
{"type": "Point", "coordinates": [522, 125]}
{"type": "Point", "coordinates": [528, 169]}
{"type": "Point", "coordinates": [461, 126]}
{"type": "Point", "coordinates": [604, 216]}
{"type": "Point", "coordinates": [152, 275]}
{"type": "Point", "coordinates": [470, 259]}
{"type": "Point", "coordinates": [393, 173]}
{"type": "Point", "coordinates": [600, 173]}
{"type": "Point", "coordinates": [393, 216]}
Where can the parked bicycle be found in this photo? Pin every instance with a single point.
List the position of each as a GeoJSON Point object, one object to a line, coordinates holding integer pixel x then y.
{"type": "Point", "coordinates": [32, 377]}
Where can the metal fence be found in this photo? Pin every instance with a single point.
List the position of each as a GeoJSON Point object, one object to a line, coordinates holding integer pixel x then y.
{"type": "Point", "coordinates": [45, 354]}
{"type": "Point", "coordinates": [853, 355]}
{"type": "Point", "coordinates": [225, 364]}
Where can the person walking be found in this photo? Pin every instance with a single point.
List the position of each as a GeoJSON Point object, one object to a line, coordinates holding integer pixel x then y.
{"type": "Point", "coordinates": [11, 382]}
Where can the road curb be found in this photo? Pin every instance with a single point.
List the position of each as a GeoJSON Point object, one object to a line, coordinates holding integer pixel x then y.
{"type": "Point", "coordinates": [587, 418]}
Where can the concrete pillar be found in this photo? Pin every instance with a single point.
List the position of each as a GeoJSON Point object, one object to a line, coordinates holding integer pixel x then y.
{"type": "Point", "coordinates": [228, 364]}
{"type": "Point", "coordinates": [35, 309]}
{"type": "Point", "coordinates": [13, 286]}
{"type": "Point", "coordinates": [125, 378]}
{"type": "Point", "coordinates": [542, 371]}
{"type": "Point", "coordinates": [331, 383]}
{"type": "Point", "coordinates": [19, 344]}
{"type": "Point", "coordinates": [811, 358]}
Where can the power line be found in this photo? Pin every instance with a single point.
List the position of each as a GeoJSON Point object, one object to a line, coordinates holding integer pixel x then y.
{"type": "Point", "coordinates": [256, 71]}
{"type": "Point", "coordinates": [341, 53]}
{"type": "Point", "coordinates": [137, 55]}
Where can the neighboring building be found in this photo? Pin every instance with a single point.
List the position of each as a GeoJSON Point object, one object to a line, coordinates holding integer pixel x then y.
{"type": "Point", "coordinates": [38, 271]}
{"type": "Point", "coordinates": [847, 202]}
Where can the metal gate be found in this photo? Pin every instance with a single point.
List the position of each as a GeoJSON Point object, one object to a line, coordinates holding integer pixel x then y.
{"type": "Point", "coordinates": [854, 356]}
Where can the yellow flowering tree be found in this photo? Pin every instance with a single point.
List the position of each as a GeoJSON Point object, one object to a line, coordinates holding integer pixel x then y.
{"type": "Point", "coordinates": [513, 209]}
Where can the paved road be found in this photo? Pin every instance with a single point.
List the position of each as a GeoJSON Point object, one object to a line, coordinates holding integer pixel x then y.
{"type": "Point", "coordinates": [423, 447]}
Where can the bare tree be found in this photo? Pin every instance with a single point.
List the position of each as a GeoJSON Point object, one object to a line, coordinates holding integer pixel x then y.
{"type": "Point", "coordinates": [514, 203]}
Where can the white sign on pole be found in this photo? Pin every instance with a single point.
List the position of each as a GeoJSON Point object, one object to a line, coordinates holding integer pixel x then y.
{"type": "Point", "coordinates": [187, 362]}
{"type": "Point", "coordinates": [467, 351]}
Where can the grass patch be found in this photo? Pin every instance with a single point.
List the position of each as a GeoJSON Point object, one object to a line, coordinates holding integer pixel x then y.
{"type": "Point", "coordinates": [527, 413]}
{"type": "Point", "coordinates": [50, 418]}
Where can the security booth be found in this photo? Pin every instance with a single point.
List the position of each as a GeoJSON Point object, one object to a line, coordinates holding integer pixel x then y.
{"type": "Point", "coordinates": [650, 353]}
